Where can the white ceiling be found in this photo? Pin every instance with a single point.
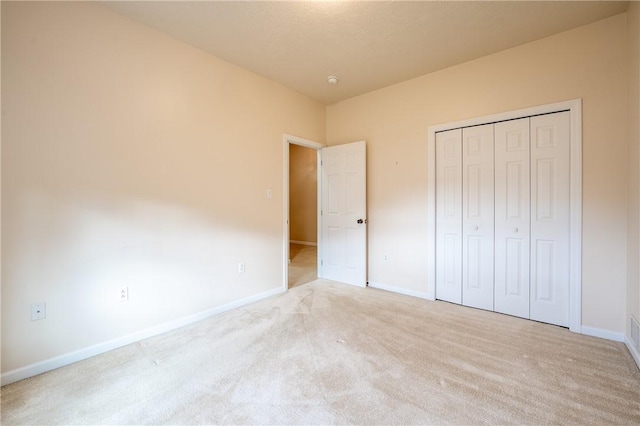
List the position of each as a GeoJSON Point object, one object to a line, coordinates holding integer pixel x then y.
{"type": "Point", "coordinates": [368, 45]}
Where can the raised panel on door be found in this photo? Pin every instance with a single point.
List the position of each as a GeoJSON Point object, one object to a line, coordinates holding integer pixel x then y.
{"type": "Point", "coordinates": [512, 208]}
{"type": "Point", "coordinates": [478, 216]}
{"type": "Point", "coordinates": [550, 218]}
{"type": "Point", "coordinates": [449, 216]}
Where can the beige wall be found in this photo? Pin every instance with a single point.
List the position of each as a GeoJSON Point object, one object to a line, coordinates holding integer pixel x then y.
{"type": "Point", "coordinates": [303, 198]}
{"type": "Point", "coordinates": [588, 62]}
{"type": "Point", "coordinates": [130, 158]}
{"type": "Point", "coordinates": [633, 72]}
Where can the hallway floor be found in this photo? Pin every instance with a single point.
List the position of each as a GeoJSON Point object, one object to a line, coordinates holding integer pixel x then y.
{"type": "Point", "coordinates": [303, 265]}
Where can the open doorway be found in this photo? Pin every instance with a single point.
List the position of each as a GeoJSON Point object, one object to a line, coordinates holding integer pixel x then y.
{"type": "Point", "coordinates": [301, 242]}
{"type": "Point", "coordinates": [341, 191]}
{"type": "Point", "coordinates": [303, 217]}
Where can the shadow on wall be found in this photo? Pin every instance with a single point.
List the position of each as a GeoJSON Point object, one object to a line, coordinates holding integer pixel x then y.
{"type": "Point", "coordinates": [75, 252]}
{"type": "Point", "coordinates": [303, 193]}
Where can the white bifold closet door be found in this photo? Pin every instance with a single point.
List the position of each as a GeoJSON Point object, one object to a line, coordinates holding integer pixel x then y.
{"type": "Point", "coordinates": [449, 216]}
{"type": "Point", "coordinates": [502, 217]}
{"type": "Point", "coordinates": [512, 208]}
{"type": "Point", "coordinates": [550, 218]}
{"type": "Point", "coordinates": [477, 216]}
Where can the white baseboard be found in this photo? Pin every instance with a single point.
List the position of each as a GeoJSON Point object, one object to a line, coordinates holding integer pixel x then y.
{"type": "Point", "coordinates": [400, 290]}
{"type": "Point", "coordinates": [304, 243]}
{"type": "Point", "coordinates": [603, 334]}
{"type": "Point", "coordinates": [88, 352]}
{"type": "Point", "coordinates": [632, 349]}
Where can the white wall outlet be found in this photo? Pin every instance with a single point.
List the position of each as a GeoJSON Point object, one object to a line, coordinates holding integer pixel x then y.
{"type": "Point", "coordinates": [38, 311]}
{"type": "Point", "coordinates": [269, 193]}
{"type": "Point", "coordinates": [241, 267]}
{"type": "Point", "coordinates": [386, 257]}
{"type": "Point", "coordinates": [123, 295]}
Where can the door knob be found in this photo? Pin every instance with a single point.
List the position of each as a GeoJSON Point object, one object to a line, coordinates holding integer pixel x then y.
{"type": "Point", "coordinates": [515, 229]}
{"type": "Point", "coordinates": [475, 228]}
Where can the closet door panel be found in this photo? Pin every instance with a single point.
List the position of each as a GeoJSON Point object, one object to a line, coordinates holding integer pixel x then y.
{"type": "Point", "coordinates": [478, 216]}
{"type": "Point", "coordinates": [449, 216]}
{"type": "Point", "coordinates": [550, 218]}
{"type": "Point", "coordinates": [512, 217]}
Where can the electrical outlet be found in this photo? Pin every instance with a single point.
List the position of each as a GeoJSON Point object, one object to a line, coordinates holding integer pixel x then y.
{"type": "Point", "coordinates": [38, 311]}
{"type": "Point", "coordinates": [386, 257]}
{"type": "Point", "coordinates": [123, 295]}
{"type": "Point", "coordinates": [241, 267]}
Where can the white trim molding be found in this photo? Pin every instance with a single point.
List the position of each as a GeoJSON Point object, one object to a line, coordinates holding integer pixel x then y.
{"type": "Point", "coordinates": [91, 351]}
{"type": "Point", "coordinates": [602, 334]}
{"type": "Point", "coordinates": [399, 290]}
{"type": "Point", "coordinates": [575, 275]}
{"type": "Point", "coordinates": [632, 349]}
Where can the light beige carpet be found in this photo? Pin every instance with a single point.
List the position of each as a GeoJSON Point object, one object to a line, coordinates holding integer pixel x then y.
{"type": "Point", "coordinates": [326, 353]}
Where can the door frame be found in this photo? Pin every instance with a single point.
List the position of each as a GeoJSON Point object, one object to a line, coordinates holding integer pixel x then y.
{"type": "Point", "coordinates": [574, 106]}
{"type": "Point", "coordinates": [295, 140]}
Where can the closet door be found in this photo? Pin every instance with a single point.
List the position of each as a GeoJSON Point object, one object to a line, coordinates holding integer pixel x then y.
{"type": "Point", "coordinates": [550, 217]}
{"type": "Point", "coordinates": [512, 217]}
{"type": "Point", "coordinates": [478, 216]}
{"type": "Point", "coordinates": [449, 216]}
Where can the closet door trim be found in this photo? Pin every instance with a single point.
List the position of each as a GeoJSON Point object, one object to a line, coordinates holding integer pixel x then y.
{"type": "Point", "coordinates": [575, 275]}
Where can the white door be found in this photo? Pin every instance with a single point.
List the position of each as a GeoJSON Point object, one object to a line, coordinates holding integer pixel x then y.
{"type": "Point", "coordinates": [512, 217]}
{"type": "Point", "coordinates": [478, 216]}
{"type": "Point", "coordinates": [449, 216]}
{"type": "Point", "coordinates": [503, 232]}
{"type": "Point", "coordinates": [344, 214]}
{"type": "Point", "coordinates": [550, 218]}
